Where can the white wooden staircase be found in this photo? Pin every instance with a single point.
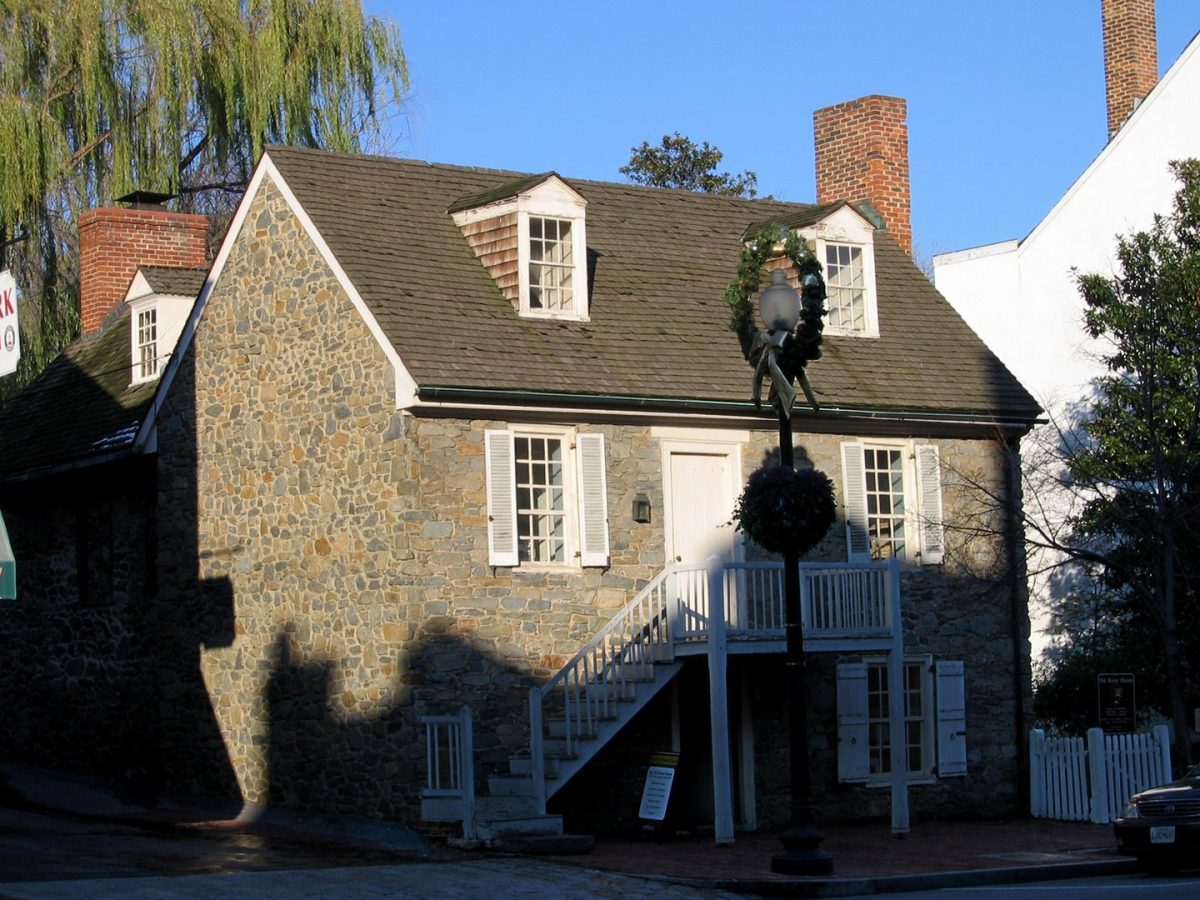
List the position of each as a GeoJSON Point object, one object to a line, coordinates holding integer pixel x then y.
{"type": "Point", "coordinates": [596, 694]}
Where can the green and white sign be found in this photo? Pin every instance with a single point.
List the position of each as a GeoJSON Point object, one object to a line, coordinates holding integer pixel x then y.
{"type": "Point", "coordinates": [10, 333]}
{"type": "Point", "coordinates": [8, 566]}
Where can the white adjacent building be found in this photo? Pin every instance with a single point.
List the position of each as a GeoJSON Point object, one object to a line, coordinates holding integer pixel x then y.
{"type": "Point", "coordinates": [1021, 296]}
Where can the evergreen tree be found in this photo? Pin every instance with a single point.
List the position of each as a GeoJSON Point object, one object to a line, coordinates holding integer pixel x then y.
{"type": "Point", "coordinates": [1140, 461]}
{"type": "Point", "coordinates": [679, 163]}
{"type": "Point", "coordinates": [101, 97]}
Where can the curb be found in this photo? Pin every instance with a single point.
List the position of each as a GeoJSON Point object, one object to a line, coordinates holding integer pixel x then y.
{"type": "Point", "coordinates": [894, 884]}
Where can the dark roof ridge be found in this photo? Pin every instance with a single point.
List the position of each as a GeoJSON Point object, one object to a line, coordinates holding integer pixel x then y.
{"type": "Point", "coordinates": [516, 175]}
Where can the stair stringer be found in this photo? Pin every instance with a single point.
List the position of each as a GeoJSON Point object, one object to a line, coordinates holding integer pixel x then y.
{"type": "Point", "coordinates": [587, 747]}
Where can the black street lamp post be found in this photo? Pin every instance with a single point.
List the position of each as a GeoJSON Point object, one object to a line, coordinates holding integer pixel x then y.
{"type": "Point", "coordinates": [779, 307]}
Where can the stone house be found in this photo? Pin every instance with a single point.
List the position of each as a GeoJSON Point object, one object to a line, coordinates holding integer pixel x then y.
{"type": "Point", "coordinates": [428, 432]}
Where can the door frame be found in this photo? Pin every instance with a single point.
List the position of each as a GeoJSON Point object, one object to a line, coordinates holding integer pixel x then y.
{"type": "Point", "coordinates": [700, 442]}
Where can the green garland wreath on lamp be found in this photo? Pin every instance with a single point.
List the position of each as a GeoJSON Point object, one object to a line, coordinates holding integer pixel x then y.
{"type": "Point", "coordinates": [804, 344]}
{"type": "Point", "coordinates": [782, 510]}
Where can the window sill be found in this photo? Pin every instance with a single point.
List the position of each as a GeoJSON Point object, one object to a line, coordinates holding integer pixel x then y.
{"type": "Point", "coordinates": [912, 780]}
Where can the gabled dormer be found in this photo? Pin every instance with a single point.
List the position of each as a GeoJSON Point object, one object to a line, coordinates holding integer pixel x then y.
{"type": "Point", "coordinates": [842, 237]}
{"type": "Point", "coordinates": [159, 300]}
{"type": "Point", "coordinates": [530, 235]}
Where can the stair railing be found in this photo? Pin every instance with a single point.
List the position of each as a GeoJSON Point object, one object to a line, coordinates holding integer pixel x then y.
{"type": "Point", "coordinates": [590, 685]}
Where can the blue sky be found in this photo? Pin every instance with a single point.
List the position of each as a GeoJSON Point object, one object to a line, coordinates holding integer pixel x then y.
{"type": "Point", "coordinates": [1005, 99]}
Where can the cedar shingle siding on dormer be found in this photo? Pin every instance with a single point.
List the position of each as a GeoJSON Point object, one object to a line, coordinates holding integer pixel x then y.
{"type": "Point", "coordinates": [495, 244]}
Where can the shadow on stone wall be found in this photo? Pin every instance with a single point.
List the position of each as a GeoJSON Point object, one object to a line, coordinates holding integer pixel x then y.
{"type": "Point", "coordinates": [98, 670]}
{"type": "Point", "coordinates": [332, 745]}
{"type": "Point", "coordinates": [191, 613]}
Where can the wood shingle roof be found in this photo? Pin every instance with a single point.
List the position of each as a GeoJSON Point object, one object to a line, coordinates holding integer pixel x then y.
{"type": "Point", "coordinates": [659, 263]}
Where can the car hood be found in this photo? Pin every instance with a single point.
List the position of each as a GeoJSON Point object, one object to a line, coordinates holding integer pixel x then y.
{"type": "Point", "coordinates": [1178, 788]}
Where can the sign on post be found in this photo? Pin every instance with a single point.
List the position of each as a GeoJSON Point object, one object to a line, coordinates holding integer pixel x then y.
{"type": "Point", "coordinates": [10, 334]}
{"type": "Point", "coordinates": [1117, 703]}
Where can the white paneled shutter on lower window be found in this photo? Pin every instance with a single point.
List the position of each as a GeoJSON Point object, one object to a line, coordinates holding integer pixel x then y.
{"type": "Point", "coordinates": [853, 738]}
{"type": "Point", "coordinates": [951, 718]}
{"type": "Point", "coordinates": [854, 484]}
{"type": "Point", "coordinates": [929, 493]}
{"type": "Point", "coordinates": [500, 459]}
{"type": "Point", "coordinates": [593, 501]}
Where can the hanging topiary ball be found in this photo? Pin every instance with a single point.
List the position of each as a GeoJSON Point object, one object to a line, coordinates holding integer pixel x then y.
{"type": "Point", "coordinates": [783, 510]}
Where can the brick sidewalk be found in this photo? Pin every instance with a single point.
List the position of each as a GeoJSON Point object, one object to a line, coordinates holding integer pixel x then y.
{"type": "Point", "coordinates": [864, 851]}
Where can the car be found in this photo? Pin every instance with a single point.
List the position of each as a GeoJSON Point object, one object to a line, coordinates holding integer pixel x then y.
{"type": "Point", "coordinates": [1161, 826]}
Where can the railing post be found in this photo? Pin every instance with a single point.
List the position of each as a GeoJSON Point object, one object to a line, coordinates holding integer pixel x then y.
{"type": "Point", "coordinates": [896, 730]}
{"type": "Point", "coordinates": [1097, 769]}
{"type": "Point", "coordinates": [718, 698]}
{"type": "Point", "coordinates": [1162, 737]}
{"type": "Point", "coordinates": [674, 614]}
{"type": "Point", "coordinates": [537, 750]}
{"type": "Point", "coordinates": [467, 773]}
{"type": "Point", "coordinates": [1037, 773]}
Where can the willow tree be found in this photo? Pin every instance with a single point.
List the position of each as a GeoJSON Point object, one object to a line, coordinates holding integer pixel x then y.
{"type": "Point", "coordinates": [101, 97]}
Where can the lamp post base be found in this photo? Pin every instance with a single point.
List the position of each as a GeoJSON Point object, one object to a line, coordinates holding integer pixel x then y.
{"type": "Point", "coordinates": [802, 853]}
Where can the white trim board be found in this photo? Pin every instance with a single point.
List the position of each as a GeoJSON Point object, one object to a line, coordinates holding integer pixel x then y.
{"type": "Point", "coordinates": [406, 386]}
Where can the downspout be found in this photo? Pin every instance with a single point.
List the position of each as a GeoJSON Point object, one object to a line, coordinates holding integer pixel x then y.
{"type": "Point", "coordinates": [1018, 604]}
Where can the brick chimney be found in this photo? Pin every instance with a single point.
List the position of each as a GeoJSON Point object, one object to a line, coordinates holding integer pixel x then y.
{"type": "Point", "coordinates": [1130, 56]}
{"type": "Point", "coordinates": [862, 154]}
{"type": "Point", "coordinates": [114, 242]}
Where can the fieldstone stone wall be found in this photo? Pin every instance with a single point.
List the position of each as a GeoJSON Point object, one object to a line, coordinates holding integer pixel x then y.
{"type": "Point", "coordinates": [77, 646]}
{"type": "Point", "coordinates": [964, 609]}
{"type": "Point", "coordinates": [324, 566]}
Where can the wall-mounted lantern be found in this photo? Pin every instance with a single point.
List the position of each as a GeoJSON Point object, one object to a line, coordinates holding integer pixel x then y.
{"type": "Point", "coordinates": [641, 508]}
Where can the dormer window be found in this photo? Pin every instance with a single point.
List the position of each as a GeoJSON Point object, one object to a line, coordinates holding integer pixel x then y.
{"type": "Point", "coordinates": [547, 275]}
{"type": "Point", "coordinates": [846, 288]}
{"type": "Point", "coordinates": [159, 300]}
{"type": "Point", "coordinates": [146, 358]}
{"type": "Point", "coordinates": [551, 265]}
{"type": "Point", "coordinates": [844, 243]}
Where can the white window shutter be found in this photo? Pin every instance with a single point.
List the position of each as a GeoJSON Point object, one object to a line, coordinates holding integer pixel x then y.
{"type": "Point", "coordinates": [853, 749]}
{"type": "Point", "coordinates": [929, 490]}
{"type": "Point", "coordinates": [858, 544]}
{"type": "Point", "coordinates": [593, 501]}
{"type": "Point", "coordinates": [951, 718]}
{"type": "Point", "coordinates": [501, 467]}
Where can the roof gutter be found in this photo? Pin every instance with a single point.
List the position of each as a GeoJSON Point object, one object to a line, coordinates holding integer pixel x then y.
{"type": "Point", "coordinates": [431, 397]}
{"type": "Point", "coordinates": [62, 468]}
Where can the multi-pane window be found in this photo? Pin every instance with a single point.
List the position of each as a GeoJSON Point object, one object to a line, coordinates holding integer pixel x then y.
{"type": "Point", "coordinates": [884, 471]}
{"type": "Point", "coordinates": [541, 499]}
{"type": "Point", "coordinates": [845, 287]}
{"type": "Point", "coordinates": [551, 265]}
{"type": "Point", "coordinates": [915, 703]}
{"type": "Point", "coordinates": [147, 342]}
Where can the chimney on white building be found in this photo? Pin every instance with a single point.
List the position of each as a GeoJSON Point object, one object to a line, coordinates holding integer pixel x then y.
{"type": "Point", "coordinates": [1130, 56]}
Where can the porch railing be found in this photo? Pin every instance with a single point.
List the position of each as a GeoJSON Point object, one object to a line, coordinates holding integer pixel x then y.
{"type": "Point", "coordinates": [450, 766]}
{"type": "Point", "coordinates": [836, 599]}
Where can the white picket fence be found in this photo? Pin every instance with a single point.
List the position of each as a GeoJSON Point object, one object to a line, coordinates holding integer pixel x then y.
{"type": "Point", "coordinates": [1089, 780]}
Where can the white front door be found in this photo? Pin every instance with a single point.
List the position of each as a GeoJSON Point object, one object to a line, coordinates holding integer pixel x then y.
{"type": "Point", "coordinates": [702, 491]}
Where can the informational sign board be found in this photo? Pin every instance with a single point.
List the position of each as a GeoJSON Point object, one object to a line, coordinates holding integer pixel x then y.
{"type": "Point", "coordinates": [8, 566]}
{"type": "Point", "coordinates": [10, 333]}
{"type": "Point", "coordinates": [1118, 709]}
{"type": "Point", "coordinates": [656, 794]}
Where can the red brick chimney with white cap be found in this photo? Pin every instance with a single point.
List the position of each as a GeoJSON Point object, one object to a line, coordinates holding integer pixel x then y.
{"type": "Point", "coordinates": [114, 242]}
{"type": "Point", "coordinates": [1130, 56]}
{"type": "Point", "coordinates": [862, 154]}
